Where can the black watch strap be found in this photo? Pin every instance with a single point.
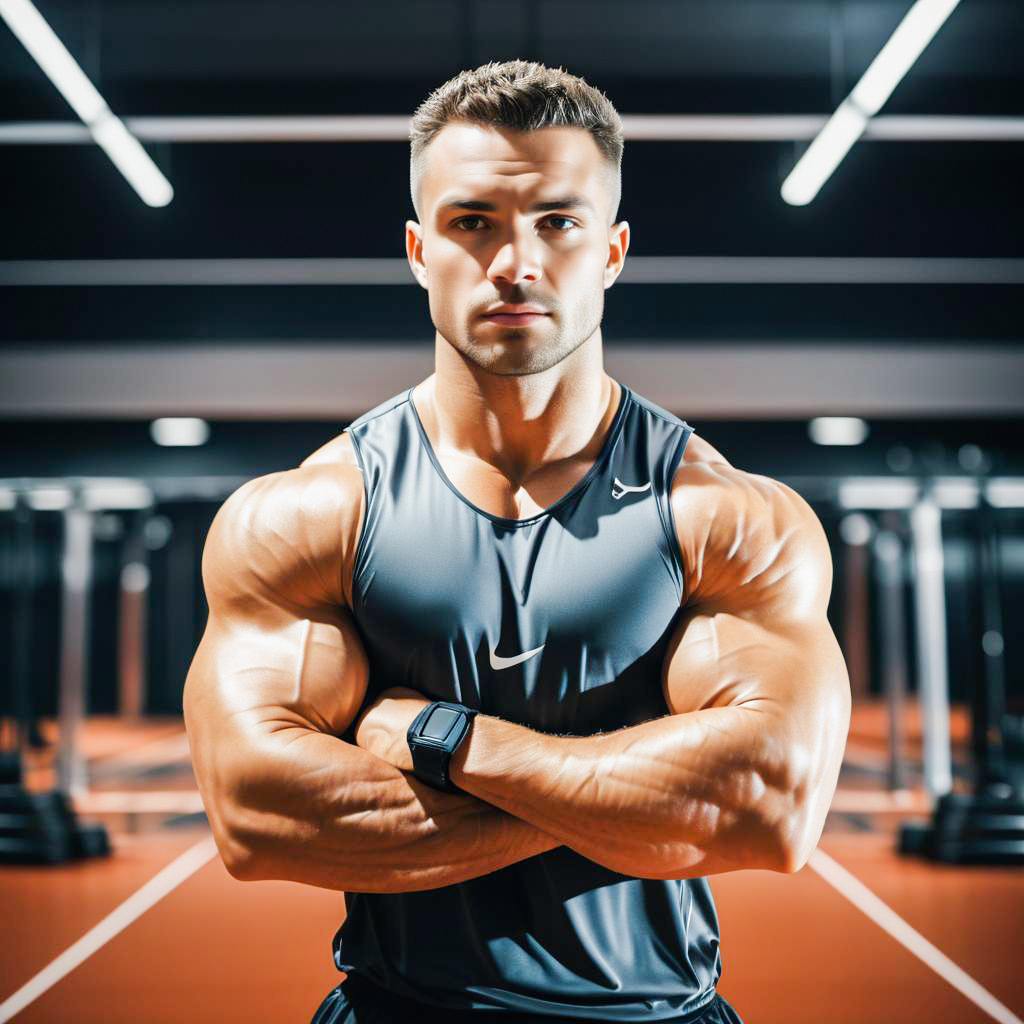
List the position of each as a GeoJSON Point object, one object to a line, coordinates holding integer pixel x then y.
{"type": "Point", "coordinates": [434, 736]}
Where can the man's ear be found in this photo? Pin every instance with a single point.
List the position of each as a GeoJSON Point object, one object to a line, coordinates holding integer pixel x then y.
{"type": "Point", "coordinates": [414, 251]}
{"type": "Point", "coordinates": [618, 243]}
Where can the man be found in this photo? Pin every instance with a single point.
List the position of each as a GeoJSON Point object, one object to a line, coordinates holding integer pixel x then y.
{"type": "Point", "coordinates": [630, 633]}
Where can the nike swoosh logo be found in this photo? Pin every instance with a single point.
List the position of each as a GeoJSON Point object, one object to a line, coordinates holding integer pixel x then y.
{"type": "Point", "coordinates": [498, 662]}
{"type": "Point", "coordinates": [619, 489]}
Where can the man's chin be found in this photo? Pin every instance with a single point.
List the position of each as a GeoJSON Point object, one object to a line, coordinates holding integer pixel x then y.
{"type": "Point", "coordinates": [519, 352]}
{"type": "Point", "coordinates": [517, 362]}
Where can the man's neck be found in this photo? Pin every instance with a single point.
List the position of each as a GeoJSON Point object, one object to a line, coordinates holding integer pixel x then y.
{"type": "Point", "coordinates": [519, 424]}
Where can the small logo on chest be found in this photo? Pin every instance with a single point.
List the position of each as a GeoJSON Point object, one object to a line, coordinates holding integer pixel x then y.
{"type": "Point", "coordinates": [498, 662]}
{"type": "Point", "coordinates": [620, 490]}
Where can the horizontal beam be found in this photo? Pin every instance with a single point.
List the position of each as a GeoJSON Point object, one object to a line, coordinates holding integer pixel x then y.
{"type": "Point", "coordinates": [639, 127]}
{"type": "Point", "coordinates": [333, 380]}
{"type": "Point", "coordinates": [638, 270]}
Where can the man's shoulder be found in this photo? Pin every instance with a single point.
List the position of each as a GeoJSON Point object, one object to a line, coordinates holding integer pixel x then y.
{"type": "Point", "coordinates": [286, 527]}
{"type": "Point", "coordinates": [339, 451]}
{"type": "Point", "coordinates": [696, 450]}
{"type": "Point", "coordinates": [741, 530]}
{"type": "Point", "coordinates": [656, 410]}
{"type": "Point", "coordinates": [709, 487]}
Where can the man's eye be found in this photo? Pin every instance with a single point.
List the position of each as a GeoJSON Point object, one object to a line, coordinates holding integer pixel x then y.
{"type": "Point", "coordinates": [460, 224]}
{"type": "Point", "coordinates": [568, 221]}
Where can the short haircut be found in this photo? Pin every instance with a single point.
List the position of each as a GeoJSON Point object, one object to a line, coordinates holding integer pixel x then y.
{"type": "Point", "coordinates": [524, 96]}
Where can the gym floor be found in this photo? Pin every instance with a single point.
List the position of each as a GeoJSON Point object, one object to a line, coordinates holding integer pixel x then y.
{"type": "Point", "coordinates": [160, 932]}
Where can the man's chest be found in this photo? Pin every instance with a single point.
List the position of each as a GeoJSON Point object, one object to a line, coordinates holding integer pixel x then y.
{"type": "Point", "coordinates": [522, 622]}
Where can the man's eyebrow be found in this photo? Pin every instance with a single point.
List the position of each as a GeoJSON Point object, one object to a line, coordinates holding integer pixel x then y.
{"type": "Point", "coordinates": [482, 205]}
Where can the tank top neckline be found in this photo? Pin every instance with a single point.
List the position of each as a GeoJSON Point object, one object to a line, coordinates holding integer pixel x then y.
{"type": "Point", "coordinates": [625, 395]}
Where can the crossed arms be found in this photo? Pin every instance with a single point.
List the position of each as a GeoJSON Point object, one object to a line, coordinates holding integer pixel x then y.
{"type": "Point", "coordinates": [738, 774]}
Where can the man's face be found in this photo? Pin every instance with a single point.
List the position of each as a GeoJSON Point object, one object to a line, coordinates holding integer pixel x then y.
{"type": "Point", "coordinates": [484, 243]}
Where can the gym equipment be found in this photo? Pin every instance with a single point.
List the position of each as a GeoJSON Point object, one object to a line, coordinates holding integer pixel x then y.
{"type": "Point", "coordinates": [889, 552]}
{"type": "Point", "coordinates": [931, 639]}
{"type": "Point", "coordinates": [985, 826]}
{"type": "Point", "coordinates": [43, 827]}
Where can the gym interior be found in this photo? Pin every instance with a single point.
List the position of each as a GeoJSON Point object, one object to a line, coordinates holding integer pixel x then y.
{"type": "Point", "coordinates": [219, 301]}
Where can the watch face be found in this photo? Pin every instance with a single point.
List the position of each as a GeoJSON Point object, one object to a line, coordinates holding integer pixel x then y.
{"type": "Point", "coordinates": [439, 724]}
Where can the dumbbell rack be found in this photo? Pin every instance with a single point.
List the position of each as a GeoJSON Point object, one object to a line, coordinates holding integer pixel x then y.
{"type": "Point", "coordinates": [985, 826]}
{"type": "Point", "coordinates": [42, 827]}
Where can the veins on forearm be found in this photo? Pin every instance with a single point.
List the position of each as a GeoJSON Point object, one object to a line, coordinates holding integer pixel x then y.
{"type": "Point", "coordinates": [667, 792]}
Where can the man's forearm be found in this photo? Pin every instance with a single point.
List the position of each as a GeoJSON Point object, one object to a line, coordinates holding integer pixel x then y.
{"type": "Point", "coordinates": [680, 796]}
{"type": "Point", "coordinates": [311, 808]}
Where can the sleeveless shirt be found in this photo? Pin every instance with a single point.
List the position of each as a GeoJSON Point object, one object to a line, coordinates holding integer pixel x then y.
{"type": "Point", "coordinates": [594, 584]}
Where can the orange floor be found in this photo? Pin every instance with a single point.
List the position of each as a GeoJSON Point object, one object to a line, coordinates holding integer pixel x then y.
{"type": "Point", "coordinates": [215, 949]}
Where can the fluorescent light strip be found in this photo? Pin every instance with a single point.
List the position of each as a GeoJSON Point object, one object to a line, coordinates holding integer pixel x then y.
{"type": "Point", "coordinates": [897, 57]}
{"type": "Point", "coordinates": [109, 132]}
{"type": "Point", "coordinates": [848, 123]}
{"type": "Point", "coordinates": [128, 156]}
{"type": "Point", "coordinates": [52, 56]}
{"type": "Point", "coordinates": [824, 154]}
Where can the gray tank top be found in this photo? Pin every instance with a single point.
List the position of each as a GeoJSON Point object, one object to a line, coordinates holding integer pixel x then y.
{"type": "Point", "coordinates": [593, 584]}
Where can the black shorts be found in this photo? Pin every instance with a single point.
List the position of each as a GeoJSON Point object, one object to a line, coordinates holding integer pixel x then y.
{"type": "Point", "coordinates": [358, 1001]}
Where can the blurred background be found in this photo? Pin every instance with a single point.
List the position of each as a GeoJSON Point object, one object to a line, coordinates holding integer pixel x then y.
{"type": "Point", "coordinates": [864, 344]}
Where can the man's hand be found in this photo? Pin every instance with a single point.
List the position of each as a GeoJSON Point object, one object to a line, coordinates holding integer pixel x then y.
{"type": "Point", "coordinates": [383, 727]}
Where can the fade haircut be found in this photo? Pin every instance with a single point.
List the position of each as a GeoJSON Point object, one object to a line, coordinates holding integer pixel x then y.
{"type": "Point", "coordinates": [524, 96]}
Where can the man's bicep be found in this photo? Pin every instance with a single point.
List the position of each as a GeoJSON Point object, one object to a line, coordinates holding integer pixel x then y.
{"type": "Point", "coordinates": [759, 576]}
{"type": "Point", "coordinates": [279, 649]}
{"type": "Point", "coordinates": [724, 660]}
{"type": "Point", "coordinates": [719, 660]}
{"type": "Point", "coordinates": [308, 673]}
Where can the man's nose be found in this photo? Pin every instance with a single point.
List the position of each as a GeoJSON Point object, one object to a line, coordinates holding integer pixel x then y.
{"type": "Point", "coordinates": [516, 260]}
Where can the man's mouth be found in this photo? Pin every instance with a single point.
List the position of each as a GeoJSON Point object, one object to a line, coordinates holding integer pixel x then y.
{"type": "Point", "coordinates": [515, 319]}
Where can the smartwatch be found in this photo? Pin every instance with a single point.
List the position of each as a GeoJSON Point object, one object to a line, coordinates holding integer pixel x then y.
{"type": "Point", "coordinates": [435, 734]}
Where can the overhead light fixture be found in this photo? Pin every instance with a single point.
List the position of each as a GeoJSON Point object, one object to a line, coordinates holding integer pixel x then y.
{"type": "Point", "coordinates": [125, 151]}
{"type": "Point", "coordinates": [845, 430]}
{"type": "Point", "coordinates": [180, 431]}
{"type": "Point", "coordinates": [869, 95]}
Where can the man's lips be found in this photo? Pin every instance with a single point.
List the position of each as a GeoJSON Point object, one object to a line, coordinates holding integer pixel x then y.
{"type": "Point", "coordinates": [513, 318]}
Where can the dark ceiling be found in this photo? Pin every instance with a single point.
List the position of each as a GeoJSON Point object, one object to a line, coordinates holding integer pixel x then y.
{"type": "Point", "coordinates": [350, 199]}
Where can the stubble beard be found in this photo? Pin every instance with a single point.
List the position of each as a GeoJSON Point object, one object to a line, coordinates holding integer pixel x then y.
{"type": "Point", "coordinates": [510, 354]}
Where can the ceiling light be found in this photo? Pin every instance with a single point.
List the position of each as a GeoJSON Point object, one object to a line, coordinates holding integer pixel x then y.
{"type": "Point", "coordinates": [109, 131]}
{"type": "Point", "coordinates": [895, 59]}
{"type": "Point", "coordinates": [180, 431]}
{"type": "Point", "coordinates": [845, 430]}
{"type": "Point", "coordinates": [868, 96]}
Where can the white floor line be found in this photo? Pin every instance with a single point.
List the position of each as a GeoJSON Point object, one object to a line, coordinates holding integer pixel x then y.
{"type": "Point", "coordinates": [888, 920]}
{"type": "Point", "coordinates": [105, 801]}
{"type": "Point", "coordinates": [154, 752]}
{"type": "Point", "coordinates": [162, 883]}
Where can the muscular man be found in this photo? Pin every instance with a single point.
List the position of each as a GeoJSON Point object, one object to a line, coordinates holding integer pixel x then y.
{"type": "Point", "coordinates": [639, 626]}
